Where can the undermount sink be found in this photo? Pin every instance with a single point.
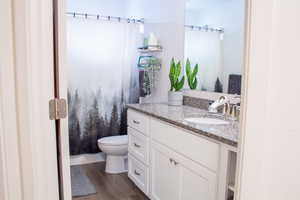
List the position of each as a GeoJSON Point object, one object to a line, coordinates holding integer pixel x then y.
{"type": "Point", "coordinates": [206, 121]}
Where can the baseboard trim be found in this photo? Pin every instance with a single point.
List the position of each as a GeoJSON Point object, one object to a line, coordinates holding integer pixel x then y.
{"type": "Point", "coordinates": [87, 158]}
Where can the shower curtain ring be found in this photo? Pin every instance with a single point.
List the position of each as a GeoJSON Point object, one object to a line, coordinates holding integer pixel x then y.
{"type": "Point", "coordinates": [74, 14]}
{"type": "Point", "coordinates": [98, 17]}
{"type": "Point", "coordinates": [86, 15]}
{"type": "Point", "coordinates": [108, 18]}
{"type": "Point", "coordinates": [119, 19]}
{"type": "Point", "coordinates": [128, 20]}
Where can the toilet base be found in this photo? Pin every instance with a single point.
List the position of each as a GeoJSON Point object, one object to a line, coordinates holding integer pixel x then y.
{"type": "Point", "coordinates": [116, 164]}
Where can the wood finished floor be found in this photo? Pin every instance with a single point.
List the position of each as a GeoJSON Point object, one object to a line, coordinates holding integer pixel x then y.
{"type": "Point", "coordinates": [110, 187]}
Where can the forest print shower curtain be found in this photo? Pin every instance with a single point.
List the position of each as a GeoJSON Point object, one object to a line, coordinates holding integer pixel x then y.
{"type": "Point", "coordinates": [103, 78]}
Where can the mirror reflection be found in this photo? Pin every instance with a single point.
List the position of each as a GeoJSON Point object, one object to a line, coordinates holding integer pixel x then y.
{"type": "Point", "coordinates": [214, 39]}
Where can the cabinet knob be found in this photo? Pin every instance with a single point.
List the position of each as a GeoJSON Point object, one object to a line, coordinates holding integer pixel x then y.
{"type": "Point", "coordinates": [137, 145]}
{"type": "Point", "coordinates": [136, 122]}
{"type": "Point", "coordinates": [173, 161]}
{"type": "Point", "coordinates": [136, 173]}
{"type": "Point", "coordinates": [176, 163]}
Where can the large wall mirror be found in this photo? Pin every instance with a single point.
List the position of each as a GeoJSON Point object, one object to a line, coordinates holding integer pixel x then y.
{"type": "Point", "coordinates": [214, 39]}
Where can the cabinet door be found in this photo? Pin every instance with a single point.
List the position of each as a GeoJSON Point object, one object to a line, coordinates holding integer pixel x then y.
{"type": "Point", "coordinates": [196, 182]}
{"type": "Point", "coordinates": [164, 175]}
{"type": "Point", "coordinates": [176, 177]}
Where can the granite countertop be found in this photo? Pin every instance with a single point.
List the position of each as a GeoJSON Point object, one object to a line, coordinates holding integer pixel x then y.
{"type": "Point", "coordinates": [175, 115]}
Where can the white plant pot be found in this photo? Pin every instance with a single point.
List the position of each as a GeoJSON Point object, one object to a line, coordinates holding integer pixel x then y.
{"type": "Point", "coordinates": [175, 98]}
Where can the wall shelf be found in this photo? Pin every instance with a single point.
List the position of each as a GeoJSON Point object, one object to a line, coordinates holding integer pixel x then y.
{"type": "Point", "coordinates": [150, 49]}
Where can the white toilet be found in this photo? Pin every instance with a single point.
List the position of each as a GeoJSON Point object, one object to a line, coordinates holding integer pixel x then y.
{"type": "Point", "coordinates": [116, 150]}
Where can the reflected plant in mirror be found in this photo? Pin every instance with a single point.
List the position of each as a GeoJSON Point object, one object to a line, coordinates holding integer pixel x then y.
{"type": "Point", "coordinates": [191, 75]}
{"type": "Point", "coordinates": [214, 38]}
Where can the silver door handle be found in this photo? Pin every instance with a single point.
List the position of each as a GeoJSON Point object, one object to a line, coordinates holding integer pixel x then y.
{"type": "Point", "coordinates": [136, 173]}
{"type": "Point", "coordinates": [136, 145]}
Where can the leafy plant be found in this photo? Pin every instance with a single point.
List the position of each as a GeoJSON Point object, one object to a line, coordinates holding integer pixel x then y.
{"type": "Point", "coordinates": [175, 71]}
{"type": "Point", "coordinates": [191, 75]}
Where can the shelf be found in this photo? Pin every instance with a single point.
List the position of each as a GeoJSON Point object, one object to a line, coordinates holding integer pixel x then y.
{"type": "Point", "coordinates": [150, 49]}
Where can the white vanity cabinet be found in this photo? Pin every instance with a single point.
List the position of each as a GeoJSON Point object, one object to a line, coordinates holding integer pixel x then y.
{"type": "Point", "coordinates": [169, 163]}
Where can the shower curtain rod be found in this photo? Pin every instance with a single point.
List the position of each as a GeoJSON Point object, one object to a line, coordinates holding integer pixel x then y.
{"type": "Point", "coordinates": [205, 28]}
{"type": "Point", "coordinates": [101, 17]}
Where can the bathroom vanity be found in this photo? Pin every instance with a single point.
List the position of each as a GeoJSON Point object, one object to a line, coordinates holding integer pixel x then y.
{"type": "Point", "coordinates": [171, 158]}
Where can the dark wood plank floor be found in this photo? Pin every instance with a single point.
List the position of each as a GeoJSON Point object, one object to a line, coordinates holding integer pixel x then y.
{"type": "Point", "coordinates": [110, 187]}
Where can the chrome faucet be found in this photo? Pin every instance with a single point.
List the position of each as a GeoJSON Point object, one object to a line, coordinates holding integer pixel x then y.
{"type": "Point", "coordinates": [213, 108]}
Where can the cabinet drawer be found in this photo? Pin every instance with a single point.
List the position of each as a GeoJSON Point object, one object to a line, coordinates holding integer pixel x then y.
{"type": "Point", "coordinates": [138, 145]}
{"type": "Point", "coordinates": [138, 173]}
{"type": "Point", "coordinates": [138, 121]}
{"type": "Point", "coordinates": [194, 147]}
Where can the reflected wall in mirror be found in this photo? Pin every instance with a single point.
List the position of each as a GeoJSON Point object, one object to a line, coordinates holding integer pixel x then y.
{"type": "Point", "coordinates": [214, 38]}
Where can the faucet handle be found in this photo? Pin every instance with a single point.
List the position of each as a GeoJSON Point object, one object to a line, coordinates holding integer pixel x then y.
{"type": "Point", "coordinates": [234, 111]}
{"type": "Point", "coordinates": [226, 108]}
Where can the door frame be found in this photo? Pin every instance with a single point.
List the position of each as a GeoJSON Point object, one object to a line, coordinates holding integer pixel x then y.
{"type": "Point", "coordinates": [62, 92]}
{"type": "Point", "coordinates": [257, 65]}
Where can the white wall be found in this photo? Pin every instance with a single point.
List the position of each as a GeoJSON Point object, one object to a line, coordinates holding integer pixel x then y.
{"type": "Point", "coordinates": [116, 8]}
{"type": "Point", "coordinates": [270, 165]}
{"type": "Point", "coordinates": [233, 43]}
{"type": "Point", "coordinates": [166, 20]}
{"type": "Point", "coordinates": [229, 14]}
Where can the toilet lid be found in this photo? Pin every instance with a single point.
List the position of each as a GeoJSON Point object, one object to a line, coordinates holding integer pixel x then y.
{"type": "Point", "coordinates": [114, 140]}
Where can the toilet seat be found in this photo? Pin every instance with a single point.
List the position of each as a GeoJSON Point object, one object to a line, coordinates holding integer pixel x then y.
{"type": "Point", "coordinates": [114, 140]}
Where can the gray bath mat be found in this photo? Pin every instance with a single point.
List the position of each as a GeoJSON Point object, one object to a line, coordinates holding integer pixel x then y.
{"type": "Point", "coordinates": [81, 185]}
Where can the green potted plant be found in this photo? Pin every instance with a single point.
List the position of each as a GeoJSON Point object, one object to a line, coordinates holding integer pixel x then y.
{"type": "Point", "coordinates": [175, 96]}
{"type": "Point", "coordinates": [191, 75]}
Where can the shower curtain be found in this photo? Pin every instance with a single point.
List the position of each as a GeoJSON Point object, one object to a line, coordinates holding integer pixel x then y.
{"type": "Point", "coordinates": [103, 77]}
{"type": "Point", "coordinates": [205, 48]}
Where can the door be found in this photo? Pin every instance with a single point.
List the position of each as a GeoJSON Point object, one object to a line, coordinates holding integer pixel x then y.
{"type": "Point", "coordinates": [164, 174]}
